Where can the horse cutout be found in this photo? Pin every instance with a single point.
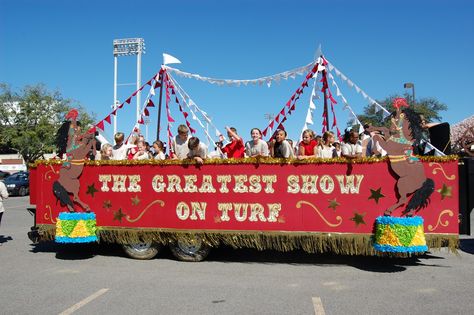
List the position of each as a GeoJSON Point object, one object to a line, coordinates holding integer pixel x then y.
{"type": "Point", "coordinates": [398, 140]}
{"type": "Point", "coordinates": [77, 147]}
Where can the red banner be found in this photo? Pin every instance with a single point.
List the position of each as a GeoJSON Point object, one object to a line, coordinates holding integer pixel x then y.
{"type": "Point", "coordinates": [331, 198]}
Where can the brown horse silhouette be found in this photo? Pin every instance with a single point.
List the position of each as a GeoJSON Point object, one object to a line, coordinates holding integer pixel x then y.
{"type": "Point", "coordinates": [77, 147]}
{"type": "Point", "coordinates": [398, 140]}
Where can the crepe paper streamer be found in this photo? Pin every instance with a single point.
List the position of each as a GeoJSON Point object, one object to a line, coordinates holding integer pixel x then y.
{"type": "Point", "coordinates": [76, 227]}
{"type": "Point", "coordinates": [399, 235]}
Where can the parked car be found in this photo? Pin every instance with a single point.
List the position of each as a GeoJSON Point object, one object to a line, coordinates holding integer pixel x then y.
{"type": "Point", "coordinates": [4, 174]}
{"type": "Point", "coordinates": [18, 184]}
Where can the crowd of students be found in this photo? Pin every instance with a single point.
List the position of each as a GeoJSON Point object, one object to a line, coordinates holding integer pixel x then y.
{"type": "Point", "coordinates": [186, 147]}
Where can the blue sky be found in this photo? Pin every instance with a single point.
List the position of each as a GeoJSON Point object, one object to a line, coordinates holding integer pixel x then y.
{"type": "Point", "coordinates": [379, 45]}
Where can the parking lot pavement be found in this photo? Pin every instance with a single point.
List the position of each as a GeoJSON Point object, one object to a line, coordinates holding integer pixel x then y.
{"type": "Point", "coordinates": [56, 279]}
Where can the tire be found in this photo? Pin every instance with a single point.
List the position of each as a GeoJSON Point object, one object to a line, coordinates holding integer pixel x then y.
{"type": "Point", "coordinates": [147, 250]}
{"type": "Point", "coordinates": [22, 191]}
{"type": "Point", "coordinates": [190, 249]}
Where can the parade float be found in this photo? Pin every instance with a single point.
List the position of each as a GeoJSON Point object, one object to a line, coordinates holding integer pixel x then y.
{"type": "Point", "coordinates": [401, 204]}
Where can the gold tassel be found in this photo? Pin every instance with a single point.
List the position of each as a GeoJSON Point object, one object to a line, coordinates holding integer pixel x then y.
{"type": "Point", "coordinates": [437, 241]}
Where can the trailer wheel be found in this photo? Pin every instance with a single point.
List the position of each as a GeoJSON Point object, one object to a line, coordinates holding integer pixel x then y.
{"type": "Point", "coordinates": [190, 249]}
{"type": "Point", "coordinates": [146, 250]}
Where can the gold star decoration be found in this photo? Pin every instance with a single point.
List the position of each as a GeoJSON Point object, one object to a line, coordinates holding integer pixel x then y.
{"type": "Point", "coordinates": [333, 204]}
{"type": "Point", "coordinates": [118, 215]}
{"type": "Point", "coordinates": [376, 195]}
{"type": "Point", "coordinates": [358, 218]}
{"type": "Point", "coordinates": [107, 204]}
{"type": "Point", "coordinates": [91, 190]}
{"type": "Point", "coordinates": [446, 191]}
{"type": "Point", "coordinates": [135, 200]}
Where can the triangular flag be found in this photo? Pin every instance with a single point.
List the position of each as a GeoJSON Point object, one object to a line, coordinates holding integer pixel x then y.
{"type": "Point", "coordinates": [128, 100]}
{"type": "Point", "coordinates": [150, 104]}
{"type": "Point", "coordinates": [146, 112]}
{"type": "Point", "coordinates": [107, 119]}
{"type": "Point", "coordinates": [168, 59]}
{"type": "Point", "coordinates": [100, 125]}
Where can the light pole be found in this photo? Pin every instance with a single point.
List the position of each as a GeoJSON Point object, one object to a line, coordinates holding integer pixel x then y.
{"type": "Point", "coordinates": [412, 86]}
{"type": "Point", "coordinates": [128, 47]}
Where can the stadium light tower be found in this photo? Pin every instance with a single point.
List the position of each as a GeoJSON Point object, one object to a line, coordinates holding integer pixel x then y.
{"type": "Point", "coordinates": [412, 86]}
{"type": "Point", "coordinates": [128, 47]}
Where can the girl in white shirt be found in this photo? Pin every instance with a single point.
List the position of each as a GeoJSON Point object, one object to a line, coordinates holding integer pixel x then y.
{"type": "Point", "coordinates": [326, 150]}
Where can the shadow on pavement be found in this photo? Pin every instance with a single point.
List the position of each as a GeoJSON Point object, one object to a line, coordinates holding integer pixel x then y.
{"type": "Point", "coordinates": [367, 263]}
{"type": "Point", "coordinates": [229, 255]}
{"type": "Point", "coordinates": [77, 251]}
{"type": "Point", "coordinates": [4, 239]}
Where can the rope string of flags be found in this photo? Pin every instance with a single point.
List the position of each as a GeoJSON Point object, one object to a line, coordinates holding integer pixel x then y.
{"type": "Point", "coordinates": [312, 106]}
{"type": "Point", "coordinates": [354, 118]}
{"type": "Point", "coordinates": [107, 118]}
{"type": "Point", "coordinates": [194, 109]}
{"type": "Point", "coordinates": [268, 80]}
{"type": "Point", "coordinates": [351, 84]}
{"type": "Point", "coordinates": [290, 105]}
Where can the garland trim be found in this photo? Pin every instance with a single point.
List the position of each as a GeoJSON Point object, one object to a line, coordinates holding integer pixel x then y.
{"type": "Point", "coordinates": [254, 160]}
{"type": "Point", "coordinates": [310, 242]}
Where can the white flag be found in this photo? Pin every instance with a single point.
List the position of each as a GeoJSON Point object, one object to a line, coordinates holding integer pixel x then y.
{"type": "Point", "coordinates": [168, 59]}
{"type": "Point", "coordinates": [309, 118]}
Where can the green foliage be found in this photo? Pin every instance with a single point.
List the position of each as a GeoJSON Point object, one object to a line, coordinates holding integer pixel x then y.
{"type": "Point", "coordinates": [30, 118]}
{"type": "Point", "coordinates": [428, 107]}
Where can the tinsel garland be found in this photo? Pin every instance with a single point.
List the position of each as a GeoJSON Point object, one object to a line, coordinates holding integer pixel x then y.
{"type": "Point", "coordinates": [338, 243]}
{"type": "Point", "coordinates": [253, 160]}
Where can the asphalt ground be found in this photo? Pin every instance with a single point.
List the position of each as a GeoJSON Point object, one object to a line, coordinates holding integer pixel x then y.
{"type": "Point", "coordinates": [89, 279]}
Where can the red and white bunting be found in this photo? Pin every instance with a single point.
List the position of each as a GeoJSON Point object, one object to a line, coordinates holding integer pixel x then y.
{"type": "Point", "coordinates": [291, 103]}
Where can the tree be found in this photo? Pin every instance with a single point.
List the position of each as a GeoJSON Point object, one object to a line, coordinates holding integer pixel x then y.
{"type": "Point", "coordinates": [428, 107]}
{"type": "Point", "coordinates": [29, 119]}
